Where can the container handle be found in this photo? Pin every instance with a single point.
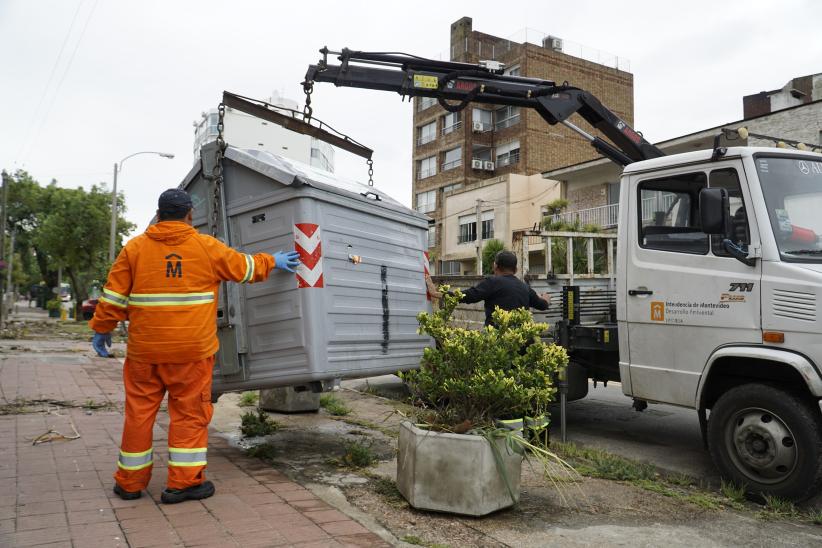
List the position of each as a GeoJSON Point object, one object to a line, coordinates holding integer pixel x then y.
{"type": "Point", "coordinates": [372, 195]}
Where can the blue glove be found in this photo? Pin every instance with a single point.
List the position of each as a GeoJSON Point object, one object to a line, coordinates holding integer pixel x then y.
{"type": "Point", "coordinates": [287, 260]}
{"type": "Point", "coordinates": [100, 342]}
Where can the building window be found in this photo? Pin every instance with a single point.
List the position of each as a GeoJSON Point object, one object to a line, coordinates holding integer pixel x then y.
{"type": "Point", "coordinates": [427, 201]}
{"type": "Point", "coordinates": [508, 154]}
{"type": "Point", "coordinates": [426, 167]}
{"type": "Point", "coordinates": [451, 122]}
{"type": "Point", "coordinates": [425, 103]}
{"type": "Point", "coordinates": [506, 116]}
{"type": "Point", "coordinates": [453, 158]}
{"type": "Point", "coordinates": [449, 188]}
{"type": "Point", "coordinates": [513, 70]}
{"type": "Point", "coordinates": [487, 225]}
{"type": "Point", "coordinates": [468, 229]}
{"type": "Point", "coordinates": [427, 133]}
{"type": "Point", "coordinates": [481, 120]}
{"type": "Point", "coordinates": [449, 268]}
{"type": "Point", "coordinates": [432, 236]}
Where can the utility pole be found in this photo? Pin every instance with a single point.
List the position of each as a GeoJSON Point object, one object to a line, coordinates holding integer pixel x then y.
{"type": "Point", "coordinates": [10, 262]}
{"type": "Point", "coordinates": [113, 234]}
{"type": "Point", "coordinates": [479, 237]}
{"type": "Point", "coordinates": [3, 219]}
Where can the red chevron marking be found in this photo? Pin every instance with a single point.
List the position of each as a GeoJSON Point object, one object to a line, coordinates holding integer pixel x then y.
{"type": "Point", "coordinates": [310, 260]}
{"type": "Point", "coordinates": [307, 228]}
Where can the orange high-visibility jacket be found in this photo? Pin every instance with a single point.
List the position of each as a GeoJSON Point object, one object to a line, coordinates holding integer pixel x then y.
{"type": "Point", "coordinates": [165, 282]}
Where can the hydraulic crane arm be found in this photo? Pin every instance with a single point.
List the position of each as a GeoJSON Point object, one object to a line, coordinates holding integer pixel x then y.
{"type": "Point", "coordinates": [484, 83]}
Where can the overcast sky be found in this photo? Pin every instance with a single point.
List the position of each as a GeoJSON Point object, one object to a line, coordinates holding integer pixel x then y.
{"type": "Point", "coordinates": [86, 82]}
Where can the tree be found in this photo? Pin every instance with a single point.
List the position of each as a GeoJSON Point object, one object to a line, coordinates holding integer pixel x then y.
{"type": "Point", "coordinates": [75, 234]}
{"type": "Point", "coordinates": [489, 253]}
{"type": "Point", "coordinates": [62, 228]}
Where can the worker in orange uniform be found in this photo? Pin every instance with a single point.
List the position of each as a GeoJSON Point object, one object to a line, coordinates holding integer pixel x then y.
{"type": "Point", "coordinates": [165, 283]}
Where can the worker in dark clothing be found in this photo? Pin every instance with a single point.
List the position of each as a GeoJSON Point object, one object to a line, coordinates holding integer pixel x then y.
{"type": "Point", "coordinates": [503, 289]}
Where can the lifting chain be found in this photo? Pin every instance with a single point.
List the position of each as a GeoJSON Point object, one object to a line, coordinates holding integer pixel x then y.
{"type": "Point", "coordinates": [217, 172]}
{"type": "Point", "coordinates": [308, 111]}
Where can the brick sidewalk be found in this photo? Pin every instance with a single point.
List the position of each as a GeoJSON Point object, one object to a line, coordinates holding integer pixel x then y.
{"type": "Point", "coordinates": [60, 493]}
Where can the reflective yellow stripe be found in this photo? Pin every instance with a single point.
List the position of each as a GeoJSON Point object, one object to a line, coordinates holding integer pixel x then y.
{"type": "Point", "coordinates": [135, 461]}
{"type": "Point", "coordinates": [170, 299]}
{"type": "Point", "coordinates": [114, 294]}
{"type": "Point", "coordinates": [197, 463]}
{"type": "Point", "coordinates": [109, 301]}
{"type": "Point", "coordinates": [187, 450]}
{"type": "Point", "coordinates": [138, 467]}
{"type": "Point", "coordinates": [140, 454]}
{"type": "Point", "coordinates": [249, 269]}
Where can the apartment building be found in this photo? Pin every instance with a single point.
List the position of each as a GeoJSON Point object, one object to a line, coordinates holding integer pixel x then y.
{"type": "Point", "coordinates": [456, 150]}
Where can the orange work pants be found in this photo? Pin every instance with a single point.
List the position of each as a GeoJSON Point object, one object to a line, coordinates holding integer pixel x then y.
{"type": "Point", "coordinates": [190, 410]}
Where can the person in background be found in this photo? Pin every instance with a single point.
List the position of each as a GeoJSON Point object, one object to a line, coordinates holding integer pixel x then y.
{"type": "Point", "coordinates": [502, 289]}
{"type": "Point", "coordinates": [165, 282]}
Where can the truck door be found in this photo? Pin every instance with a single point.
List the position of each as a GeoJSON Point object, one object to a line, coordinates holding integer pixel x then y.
{"type": "Point", "coordinates": [685, 295]}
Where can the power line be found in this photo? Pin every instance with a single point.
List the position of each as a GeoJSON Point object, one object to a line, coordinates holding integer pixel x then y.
{"type": "Point", "coordinates": [63, 77]}
{"type": "Point", "coordinates": [48, 82]}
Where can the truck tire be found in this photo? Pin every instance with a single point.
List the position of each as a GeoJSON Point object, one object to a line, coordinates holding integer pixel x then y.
{"type": "Point", "coordinates": [767, 439]}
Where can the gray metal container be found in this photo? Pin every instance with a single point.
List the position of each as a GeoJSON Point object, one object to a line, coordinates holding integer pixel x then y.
{"type": "Point", "coordinates": [351, 309]}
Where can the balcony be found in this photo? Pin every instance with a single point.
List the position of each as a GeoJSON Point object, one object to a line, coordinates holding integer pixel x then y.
{"type": "Point", "coordinates": [452, 128]}
{"type": "Point", "coordinates": [508, 159]}
{"type": "Point", "coordinates": [452, 164]}
{"type": "Point", "coordinates": [604, 216]}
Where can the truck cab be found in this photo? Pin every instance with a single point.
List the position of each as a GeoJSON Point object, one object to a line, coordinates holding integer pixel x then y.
{"type": "Point", "coordinates": [719, 272]}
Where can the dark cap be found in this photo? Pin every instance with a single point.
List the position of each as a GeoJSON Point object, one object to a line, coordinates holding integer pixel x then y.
{"type": "Point", "coordinates": [174, 200]}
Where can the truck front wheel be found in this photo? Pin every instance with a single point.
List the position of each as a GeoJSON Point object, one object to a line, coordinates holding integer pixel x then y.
{"type": "Point", "coordinates": [767, 439]}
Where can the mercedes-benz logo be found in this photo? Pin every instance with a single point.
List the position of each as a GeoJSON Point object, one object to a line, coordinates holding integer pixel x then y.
{"type": "Point", "coordinates": [803, 167]}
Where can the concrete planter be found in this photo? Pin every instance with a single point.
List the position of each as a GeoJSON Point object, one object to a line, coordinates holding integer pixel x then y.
{"type": "Point", "coordinates": [454, 473]}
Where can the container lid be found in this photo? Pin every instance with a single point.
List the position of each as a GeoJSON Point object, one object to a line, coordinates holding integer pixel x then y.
{"type": "Point", "coordinates": [293, 173]}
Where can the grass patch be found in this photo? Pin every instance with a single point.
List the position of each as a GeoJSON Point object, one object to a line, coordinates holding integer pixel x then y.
{"type": "Point", "coordinates": [732, 492]}
{"type": "Point", "coordinates": [682, 480]}
{"type": "Point", "coordinates": [657, 487]}
{"type": "Point", "coordinates": [777, 508]}
{"type": "Point", "coordinates": [334, 405]}
{"type": "Point", "coordinates": [358, 455]}
{"type": "Point", "coordinates": [249, 399]}
{"type": "Point", "coordinates": [597, 463]}
{"type": "Point", "coordinates": [704, 500]}
{"type": "Point", "coordinates": [815, 516]}
{"type": "Point", "coordinates": [413, 539]}
{"type": "Point", "coordinates": [257, 424]}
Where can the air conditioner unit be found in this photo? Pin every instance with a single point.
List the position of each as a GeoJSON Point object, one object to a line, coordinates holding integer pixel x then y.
{"type": "Point", "coordinates": [552, 42]}
{"type": "Point", "coordinates": [476, 164]}
{"type": "Point", "coordinates": [478, 127]}
{"type": "Point", "coordinates": [488, 166]}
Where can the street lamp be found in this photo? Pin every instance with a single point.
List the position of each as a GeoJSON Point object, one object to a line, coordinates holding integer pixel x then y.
{"type": "Point", "coordinates": [117, 168]}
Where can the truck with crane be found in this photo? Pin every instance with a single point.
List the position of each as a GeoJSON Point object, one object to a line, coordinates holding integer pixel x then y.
{"type": "Point", "coordinates": [718, 274]}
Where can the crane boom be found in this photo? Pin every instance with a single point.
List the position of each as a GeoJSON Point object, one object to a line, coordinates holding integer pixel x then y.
{"type": "Point", "coordinates": [485, 82]}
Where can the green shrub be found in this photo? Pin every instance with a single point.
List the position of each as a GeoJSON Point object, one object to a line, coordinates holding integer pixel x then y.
{"type": "Point", "coordinates": [358, 454]}
{"type": "Point", "coordinates": [249, 399]}
{"type": "Point", "coordinates": [471, 377]}
{"type": "Point", "coordinates": [334, 405]}
{"type": "Point", "coordinates": [257, 424]}
{"type": "Point", "coordinates": [53, 304]}
{"type": "Point", "coordinates": [489, 253]}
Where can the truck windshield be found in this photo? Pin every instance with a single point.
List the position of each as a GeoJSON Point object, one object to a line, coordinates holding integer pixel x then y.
{"type": "Point", "coordinates": [793, 194]}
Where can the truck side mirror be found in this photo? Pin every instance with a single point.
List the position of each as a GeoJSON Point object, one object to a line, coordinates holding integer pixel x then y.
{"type": "Point", "coordinates": [714, 215]}
{"type": "Point", "coordinates": [714, 211]}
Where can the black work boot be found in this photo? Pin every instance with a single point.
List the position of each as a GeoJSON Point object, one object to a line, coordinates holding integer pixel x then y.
{"type": "Point", "coordinates": [196, 492]}
{"type": "Point", "coordinates": [126, 495]}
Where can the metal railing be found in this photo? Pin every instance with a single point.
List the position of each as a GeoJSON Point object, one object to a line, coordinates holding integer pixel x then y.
{"type": "Point", "coordinates": [507, 160]}
{"type": "Point", "coordinates": [425, 173]}
{"type": "Point", "coordinates": [603, 216]}
{"type": "Point", "coordinates": [452, 164]}
{"type": "Point", "coordinates": [507, 122]}
{"type": "Point", "coordinates": [453, 127]}
{"type": "Point", "coordinates": [427, 138]}
{"type": "Point", "coordinates": [598, 245]}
